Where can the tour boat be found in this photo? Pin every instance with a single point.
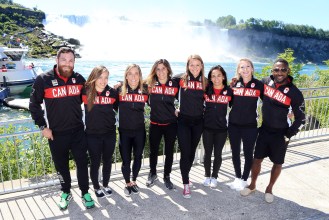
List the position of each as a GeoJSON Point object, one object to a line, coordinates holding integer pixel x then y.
{"type": "Point", "coordinates": [13, 71]}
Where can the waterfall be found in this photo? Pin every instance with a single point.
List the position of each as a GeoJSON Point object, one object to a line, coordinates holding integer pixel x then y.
{"type": "Point", "coordinates": [119, 38]}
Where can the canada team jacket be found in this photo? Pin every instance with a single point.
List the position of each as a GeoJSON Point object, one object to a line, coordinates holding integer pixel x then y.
{"type": "Point", "coordinates": [101, 118]}
{"type": "Point", "coordinates": [276, 104]}
{"type": "Point", "coordinates": [62, 101]}
{"type": "Point", "coordinates": [131, 109]}
{"type": "Point", "coordinates": [216, 109]}
{"type": "Point", "coordinates": [190, 98]}
{"type": "Point", "coordinates": [161, 101]}
{"type": "Point", "coordinates": [244, 103]}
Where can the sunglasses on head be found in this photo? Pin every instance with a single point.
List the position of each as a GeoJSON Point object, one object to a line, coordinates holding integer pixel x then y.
{"type": "Point", "coordinates": [276, 70]}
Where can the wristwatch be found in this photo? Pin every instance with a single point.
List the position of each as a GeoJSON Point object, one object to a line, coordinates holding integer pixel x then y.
{"type": "Point", "coordinates": [42, 127]}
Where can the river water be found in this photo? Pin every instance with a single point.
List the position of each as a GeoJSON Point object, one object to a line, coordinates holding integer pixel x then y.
{"type": "Point", "coordinates": [117, 69]}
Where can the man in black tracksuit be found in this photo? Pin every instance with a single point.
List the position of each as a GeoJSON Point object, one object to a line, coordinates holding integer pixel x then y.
{"type": "Point", "coordinates": [61, 122]}
{"type": "Point", "coordinates": [280, 94]}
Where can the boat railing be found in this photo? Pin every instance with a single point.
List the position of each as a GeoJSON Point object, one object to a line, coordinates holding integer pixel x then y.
{"type": "Point", "coordinates": [25, 159]}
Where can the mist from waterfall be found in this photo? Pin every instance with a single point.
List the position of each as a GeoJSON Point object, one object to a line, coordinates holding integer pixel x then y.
{"type": "Point", "coordinates": [119, 38]}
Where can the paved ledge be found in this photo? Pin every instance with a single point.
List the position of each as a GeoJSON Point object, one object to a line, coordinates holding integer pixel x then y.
{"type": "Point", "coordinates": [301, 192]}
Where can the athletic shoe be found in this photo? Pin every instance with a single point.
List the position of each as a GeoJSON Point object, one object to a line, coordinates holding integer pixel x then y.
{"type": "Point", "coordinates": [88, 201]}
{"type": "Point", "coordinates": [213, 182]}
{"type": "Point", "coordinates": [151, 179]}
{"type": "Point", "coordinates": [190, 184]}
{"type": "Point", "coordinates": [207, 181]}
{"type": "Point", "coordinates": [235, 183]}
{"type": "Point", "coordinates": [186, 191]}
{"type": "Point", "coordinates": [127, 190]}
{"type": "Point", "coordinates": [135, 189]}
{"type": "Point", "coordinates": [99, 193]}
{"type": "Point", "coordinates": [65, 200]}
{"type": "Point", "coordinates": [243, 184]}
{"type": "Point", "coordinates": [169, 185]}
{"type": "Point", "coordinates": [107, 191]}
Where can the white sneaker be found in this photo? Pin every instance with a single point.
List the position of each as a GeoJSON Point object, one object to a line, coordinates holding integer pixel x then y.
{"type": "Point", "coordinates": [243, 184]}
{"type": "Point", "coordinates": [234, 184]}
{"type": "Point", "coordinates": [213, 182]}
{"type": "Point", "coordinates": [207, 181]}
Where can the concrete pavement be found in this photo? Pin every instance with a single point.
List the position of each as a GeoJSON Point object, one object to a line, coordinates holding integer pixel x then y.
{"type": "Point", "coordinates": [301, 192]}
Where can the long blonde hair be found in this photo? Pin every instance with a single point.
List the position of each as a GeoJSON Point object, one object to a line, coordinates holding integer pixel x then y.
{"type": "Point", "coordinates": [125, 81]}
{"type": "Point", "coordinates": [90, 84]}
{"type": "Point", "coordinates": [237, 75]}
{"type": "Point", "coordinates": [151, 78]}
{"type": "Point", "coordinates": [185, 77]}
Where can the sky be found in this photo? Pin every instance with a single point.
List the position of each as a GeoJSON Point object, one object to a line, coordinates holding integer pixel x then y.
{"type": "Point", "coordinates": [313, 13]}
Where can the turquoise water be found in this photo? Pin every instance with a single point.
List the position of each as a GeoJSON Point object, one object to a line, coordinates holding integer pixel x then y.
{"type": "Point", "coordinates": [117, 69]}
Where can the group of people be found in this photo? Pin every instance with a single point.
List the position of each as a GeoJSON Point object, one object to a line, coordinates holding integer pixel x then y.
{"type": "Point", "coordinates": [201, 110]}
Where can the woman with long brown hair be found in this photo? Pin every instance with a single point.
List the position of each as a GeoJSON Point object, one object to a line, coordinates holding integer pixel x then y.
{"type": "Point", "coordinates": [100, 102]}
{"type": "Point", "coordinates": [190, 115]}
{"type": "Point", "coordinates": [162, 95]}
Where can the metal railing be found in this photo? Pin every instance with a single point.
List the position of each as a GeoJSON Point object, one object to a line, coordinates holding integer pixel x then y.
{"type": "Point", "coordinates": [25, 159]}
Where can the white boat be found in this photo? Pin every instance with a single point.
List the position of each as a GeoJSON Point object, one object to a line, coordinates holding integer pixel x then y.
{"type": "Point", "coordinates": [13, 71]}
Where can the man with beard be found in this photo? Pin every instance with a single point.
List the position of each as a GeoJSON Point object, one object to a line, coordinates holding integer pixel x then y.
{"type": "Point", "coordinates": [61, 122]}
{"type": "Point", "coordinates": [280, 95]}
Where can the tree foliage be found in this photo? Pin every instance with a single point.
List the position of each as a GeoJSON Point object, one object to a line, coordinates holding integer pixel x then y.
{"type": "Point", "coordinates": [288, 55]}
{"type": "Point", "coordinates": [274, 26]}
{"type": "Point", "coordinates": [226, 21]}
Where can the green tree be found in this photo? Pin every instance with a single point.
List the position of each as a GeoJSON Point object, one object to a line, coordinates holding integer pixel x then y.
{"type": "Point", "coordinates": [288, 55]}
{"type": "Point", "coordinates": [226, 21]}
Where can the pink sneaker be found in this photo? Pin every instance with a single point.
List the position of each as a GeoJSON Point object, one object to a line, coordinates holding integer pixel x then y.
{"type": "Point", "coordinates": [186, 191]}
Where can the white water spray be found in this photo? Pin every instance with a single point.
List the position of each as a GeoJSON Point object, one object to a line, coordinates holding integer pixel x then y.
{"type": "Point", "coordinates": [118, 38]}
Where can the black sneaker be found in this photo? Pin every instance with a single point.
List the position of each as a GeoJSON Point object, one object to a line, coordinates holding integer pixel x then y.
{"type": "Point", "coordinates": [107, 191]}
{"type": "Point", "coordinates": [99, 193]}
{"type": "Point", "coordinates": [168, 183]}
{"type": "Point", "coordinates": [135, 189]}
{"type": "Point", "coordinates": [127, 190]}
{"type": "Point", "coordinates": [151, 179]}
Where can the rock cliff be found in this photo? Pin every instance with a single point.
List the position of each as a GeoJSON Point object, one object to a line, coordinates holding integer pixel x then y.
{"type": "Point", "coordinates": [259, 44]}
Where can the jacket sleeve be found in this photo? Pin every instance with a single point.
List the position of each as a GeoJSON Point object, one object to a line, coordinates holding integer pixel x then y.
{"type": "Point", "coordinates": [36, 99]}
{"type": "Point", "coordinates": [298, 108]}
{"type": "Point", "coordinates": [116, 103]}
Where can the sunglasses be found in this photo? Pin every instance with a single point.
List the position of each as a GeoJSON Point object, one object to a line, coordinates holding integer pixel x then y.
{"type": "Point", "coordinates": [276, 70]}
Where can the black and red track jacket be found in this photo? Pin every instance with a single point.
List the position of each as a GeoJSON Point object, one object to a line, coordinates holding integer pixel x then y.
{"type": "Point", "coordinates": [216, 109]}
{"type": "Point", "coordinates": [276, 104]}
{"type": "Point", "coordinates": [101, 118]}
{"type": "Point", "coordinates": [190, 97]}
{"type": "Point", "coordinates": [244, 104]}
{"type": "Point", "coordinates": [62, 101]}
{"type": "Point", "coordinates": [131, 109]}
{"type": "Point", "coordinates": [162, 102]}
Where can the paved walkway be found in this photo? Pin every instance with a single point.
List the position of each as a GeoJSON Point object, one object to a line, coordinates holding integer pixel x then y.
{"type": "Point", "coordinates": [301, 192]}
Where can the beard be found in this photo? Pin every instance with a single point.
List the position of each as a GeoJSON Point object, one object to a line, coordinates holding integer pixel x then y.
{"type": "Point", "coordinates": [65, 71]}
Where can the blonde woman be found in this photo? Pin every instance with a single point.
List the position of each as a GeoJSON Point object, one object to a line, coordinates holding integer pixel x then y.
{"type": "Point", "coordinates": [132, 99]}
{"type": "Point", "coordinates": [243, 120]}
